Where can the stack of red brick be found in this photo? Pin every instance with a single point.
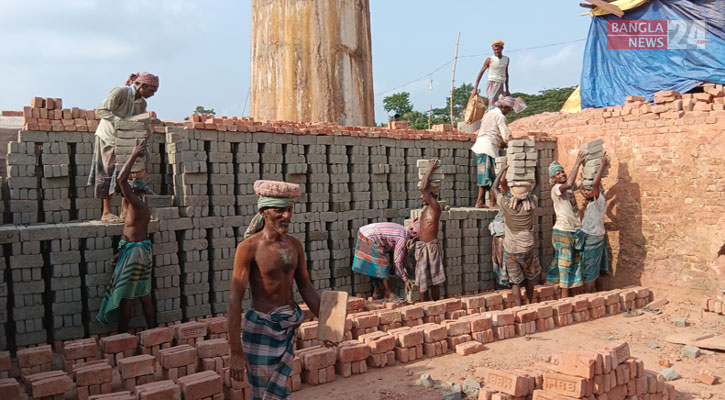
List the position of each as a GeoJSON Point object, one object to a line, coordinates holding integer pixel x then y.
{"type": "Point", "coordinates": [713, 305]}
{"type": "Point", "coordinates": [608, 374]}
{"type": "Point", "coordinates": [395, 130]}
{"type": "Point", "coordinates": [669, 104]}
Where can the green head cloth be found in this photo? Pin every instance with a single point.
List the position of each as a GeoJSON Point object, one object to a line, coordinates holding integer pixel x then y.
{"type": "Point", "coordinates": [257, 223]}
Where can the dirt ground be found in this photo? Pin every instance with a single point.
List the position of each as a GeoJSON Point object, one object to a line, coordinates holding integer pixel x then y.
{"type": "Point", "coordinates": [532, 352]}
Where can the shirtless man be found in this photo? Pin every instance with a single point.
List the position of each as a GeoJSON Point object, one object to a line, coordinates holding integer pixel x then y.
{"type": "Point", "coordinates": [132, 273]}
{"type": "Point", "coordinates": [429, 270]}
{"type": "Point", "coordinates": [269, 261]}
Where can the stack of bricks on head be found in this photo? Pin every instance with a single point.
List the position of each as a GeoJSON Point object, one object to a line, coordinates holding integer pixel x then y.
{"type": "Point", "coordinates": [594, 151]}
{"type": "Point", "coordinates": [436, 177]}
{"type": "Point", "coordinates": [521, 158]}
{"type": "Point", "coordinates": [607, 374]}
{"type": "Point", "coordinates": [192, 358]}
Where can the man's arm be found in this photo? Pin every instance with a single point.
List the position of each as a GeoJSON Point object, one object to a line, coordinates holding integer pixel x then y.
{"type": "Point", "coordinates": [480, 75]}
{"type": "Point", "coordinates": [503, 128]}
{"type": "Point", "coordinates": [429, 199]}
{"type": "Point", "coordinates": [302, 278]}
{"type": "Point", "coordinates": [494, 186]}
{"type": "Point", "coordinates": [240, 280]}
{"type": "Point", "coordinates": [125, 172]}
{"type": "Point", "coordinates": [508, 93]}
{"type": "Point", "coordinates": [105, 109]}
{"type": "Point", "coordinates": [571, 179]}
{"type": "Point", "coordinates": [597, 184]}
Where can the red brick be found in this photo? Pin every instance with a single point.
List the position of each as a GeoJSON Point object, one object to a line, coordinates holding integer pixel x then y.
{"type": "Point", "coordinates": [411, 312]}
{"type": "Point", "coordinates": [58, 103]}
{"type": "Point", "coordinates": [318, 358]}
{"type": "Point", "coordinates": [162, 390]}
{"type": "Point", "coordinates": [565, 385]}
{"type": "Point", "coordinates": [47, 384]}
{"type": "Point", "coordinates": [118, 343]}
{"type": "Point", "coordinates": [621, 350]}
{"type": "Point", "coordinates": [353, 352]}
{"type": "Point", "coordinates": [409, 338]}
{"type": "Point", "coordinates": [562, 308]}
{"type": "Point", "coordinates": [379, 342]}
{"type": "Point", "coordinates": [50, 103]}
{"type": "Point", "coordinates": [365, 320]}
{"type": "Point", "coordinates": [493, 300]}
{"type": "Point", "coordinates": [212, 348]}
{"type": "Point", "coordinates": [580, 304]}
{"type": "Point", "coordinates": [156, 336]}
{"type": "Point", "coordinates": [434, 333]}
{"type": "Point", "coordinates": [473, 302]}
{"type": "Point", "coordinates": [508, 383]}
{"type": "Point", "coordinates": [525, 315]}
{"type": "Point", "coordinates": [38, 102]}
{"type": "Point", "coordinates": [217, 325]}
{"type": "Point", "coordinates": [456, 327]}
{"type": "Point", "coordinates": [451, 304]}
{"type": "Point", "coordinates": [387, 317]}
{"type": "Point", "coordinates": [308, 330]}
{"type": "Point", "coordinates": [469, 348]}
{"type": "Point", "coordinates": [542, 395]}
{"type": "Point", "coordinates": [190, 330]}
{"type": "Point", "coordinates": [93, 375]}
{"type": "Point", "coordinates": [177, 356]}
{"type": "Point", "coordinates": [501, 318]}
{"type": "Point", "coordinates": [132, 367]}
{"type": "Point", "coordinates": [431, 308]}
{"type": "Point", "coordinates": [9, 389]}
{"type": "Point", "coordinates": [82, 348]}
{"type": "Point", "coordinates": [200, 385]}
{"type": "Point", "coordinates": [574, 363]}
{"type": "Point", "coordinates": [35, 356]}
{"type": "Point", "coordinates": [5, 361]}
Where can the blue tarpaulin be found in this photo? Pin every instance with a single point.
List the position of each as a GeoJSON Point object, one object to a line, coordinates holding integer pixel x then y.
{"type": "Point", "coordinates": [661, 45]}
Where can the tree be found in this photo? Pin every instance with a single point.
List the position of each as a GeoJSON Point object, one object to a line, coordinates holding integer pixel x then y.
{"type": "Point", "coordinates": [398, 102]}
{"type": "Point", "coordinates": [460, 100]}
{"type": "Point", "coordinates": [550, 100]}
{"type": "Point", "coordinates": [202, 110]}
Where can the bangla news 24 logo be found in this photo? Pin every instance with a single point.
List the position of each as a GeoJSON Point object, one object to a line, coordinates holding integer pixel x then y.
{"type": "Point", "coordinates": [657, 34]}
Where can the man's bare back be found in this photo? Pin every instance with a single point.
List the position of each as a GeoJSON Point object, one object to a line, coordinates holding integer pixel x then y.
{"type": "Point", "coordinates": [136, 224]}
{"type": "Point", "coordinates": [431, 215]}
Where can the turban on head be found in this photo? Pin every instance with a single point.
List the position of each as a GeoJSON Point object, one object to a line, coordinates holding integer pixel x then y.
{"type": "Point", "coordinates": [497, 42]}
{"type": "Point", "coordinates": [271, 194]}
{"type": "Point", "coordinates": [553, 168]}
{"type": "Point", "coordinates": [507, 101]}
{"type": "Point", "coordinates": [145, 78]}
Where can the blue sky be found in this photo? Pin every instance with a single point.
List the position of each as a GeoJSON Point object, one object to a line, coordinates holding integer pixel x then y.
{"type": "Point", "coordinates": [80, 49]}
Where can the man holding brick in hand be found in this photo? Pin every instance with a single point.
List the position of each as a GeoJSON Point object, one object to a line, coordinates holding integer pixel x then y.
{"type": "Point", "coordinates": [132, 273]}
{"type": "Point", "coordinates": [122, 103]}
{"type": "Point", "coordinates": [565, 268]}
{"type": "Point", "coordinates": [520, 263]}
{"type": "Point", "coordinates": [429, 270]}
{"type": "Point", "coordinates": [270, 262]}
{"type": "Point", "coordinates": [591, 238]}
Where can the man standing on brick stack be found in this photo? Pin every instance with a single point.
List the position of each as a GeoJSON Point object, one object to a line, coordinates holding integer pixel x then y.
{"type": "Point", "coordinates": [565, 268]}
{"type": "Point", "coordinates": [132, 272]}
{"type": "Point", "coordinates": [591, 238]}
{"type": "Point", "coordinates": [375, 242]}
{"type": "Point", "coordinates": [270, 262]}
{"type": "Point", "coordinates": [498, 74]}
{"type": "Point", "coordinates": [520, 263]}
{"type": "Point", "coordinates": [122, 103]}
{"type": "Point", "coordinates": [429, 270]}
{"type": "Point", "coordinates": [494, 132]}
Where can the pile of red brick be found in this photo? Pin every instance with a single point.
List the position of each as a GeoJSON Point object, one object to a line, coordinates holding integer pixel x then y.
{"type": "Point", "coordinates": [395, 130]}
{"type": "Point", "coordinates": [48, 114]}
{"type": "Point", "coordinates": [713, 305]}
{"type": "Point", "coordinates": [670, 104]}
{"type": "Point", "coordinates": [608, 374]}
{"type": "Point", "coordinates": [192, 358]}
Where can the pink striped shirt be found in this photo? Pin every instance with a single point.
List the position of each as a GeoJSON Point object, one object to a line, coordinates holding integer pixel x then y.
{"type": "Point", "coordinates": [392, 238]}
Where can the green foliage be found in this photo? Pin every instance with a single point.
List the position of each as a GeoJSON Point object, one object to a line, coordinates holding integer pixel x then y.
{"type": "Point", "coordinates": [550, 100]}
{"type": "Point", "coordinates": [202, 110]}
{"type": "Point", "coordinates": [398, 102]}
{"type": "Point", "coordinates": [547, 100]}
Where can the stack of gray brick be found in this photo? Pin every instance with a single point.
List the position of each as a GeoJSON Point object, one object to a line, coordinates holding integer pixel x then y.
{"type": "Point", "coordinates": [86, 206]}
{"type": "Point", "coordinates": [221, 178]}
{"type": "Point", "coordinates": [23, 176]}
{"type": "Point", "coordinates": [97, 248]}
{"type": "Point", "coordinates": [436, 177]}
{"type": "Point", "coordinates": [247, 171]}
{"type": "Point", "coordinates": [593, 160]}
{"type": "Point", "coordinates": [521, 160]}
{"type": "Point", "coordinates": [29, 285]}
{"type": "Point", "coordinates": [3, 299]}
{"type": "Point", "coordinates": [56, 182]}
{"type": "Point", "coordinates": [545, 210]}
{"type": "Point", "coordinates": [65, 288]}
{"type": "Point", "coordinates": [188, 159]}
{"type": "Point", "coordinates": [167, 272]}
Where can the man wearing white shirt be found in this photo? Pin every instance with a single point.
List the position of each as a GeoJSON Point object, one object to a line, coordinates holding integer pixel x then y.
{"type": "Point", "coordinates": [592, 234]}
{"type": "Point", "coordinates": [493, 133]}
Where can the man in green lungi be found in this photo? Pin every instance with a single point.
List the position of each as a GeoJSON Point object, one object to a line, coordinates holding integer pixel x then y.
{"type": "Point", "coordinates": [592, 237]}
{"type": "Point", "coordinates": [132, 273]}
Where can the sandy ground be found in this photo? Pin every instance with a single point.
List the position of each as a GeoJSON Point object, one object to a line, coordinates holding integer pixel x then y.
{"type": "Point", "coordinates": [532, 353]}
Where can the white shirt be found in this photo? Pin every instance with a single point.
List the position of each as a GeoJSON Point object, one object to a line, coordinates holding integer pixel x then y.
{"type": "Point", "coordinates": [497, 69]}
{"type": "Point", "coordinates": [494, 130]}
{"type": "Point", "coordinates": [593, 221]}
{"type": "Point", "coordinates": [565, 208]}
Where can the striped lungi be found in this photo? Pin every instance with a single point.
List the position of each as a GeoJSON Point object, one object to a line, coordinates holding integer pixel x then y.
{"type": "Point", "coordinates": [370, 259]}
{"type": "Point", "coordinates": [594, 258]}
{"type": "Point", "coordinates": [429, 269]}
{"type": "Point", "coordinates": [486, 167]}
{"type": "Point", "coordinates": [499, 269]}
{"type": "Point", "coordinates": [268, 341]}
{"type": "Point", "coordinates": [493, 90]}
{"type": "Point", "coordinates": [565, 268]}
{"type": "Point", "coordinates": [131, 278]}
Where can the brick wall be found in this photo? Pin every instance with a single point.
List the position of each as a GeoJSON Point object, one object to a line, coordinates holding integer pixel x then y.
{"type": "Point", "coordinates": [665, 217]}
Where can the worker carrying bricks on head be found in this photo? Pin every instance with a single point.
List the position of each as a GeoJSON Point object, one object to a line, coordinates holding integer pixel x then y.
{"type": "Point", "coordinates": [591, 239]}
{"type": "Point", "coordinates": [498, 230]}
{"type": "Point", "coordinates": [122, 103]}
{"type": "Point", "coordinates": [429, 270]}
{"type": "Point", "coordinates": [375, 243]}
{"type": "Point", "coordinates": [565, 268]}
{"type": "Point", "coordinates": [493, 133]}
{"type": "Point", "coordinates": [498, 74]}
{"type": "Point", "coordinates": [520, 263]}
{"type": "Point", "coordinates": [132, 272]}
{"type": "Point", "coordinates": [270, 262]}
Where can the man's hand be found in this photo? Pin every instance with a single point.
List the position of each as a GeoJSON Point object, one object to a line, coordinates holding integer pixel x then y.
{"type": "Point", "coordinates": [434, 164]}
{"type": "Point", "coordinates": [140, 149]}
{"type": "Point", "coordinates": [605, 160]}
{"type": "Point", "coordinates": [580, 156]}
{"type": "Point", "coordinates": [239, 366]}
{"type": "Point", "coordinates": [507, 93]}
{"type": "Point", "coordinates": [474, 91]}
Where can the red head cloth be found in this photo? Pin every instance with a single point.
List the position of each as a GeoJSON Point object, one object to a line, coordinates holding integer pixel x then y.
{"type": "Point", "coordinates": [145, 78]}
